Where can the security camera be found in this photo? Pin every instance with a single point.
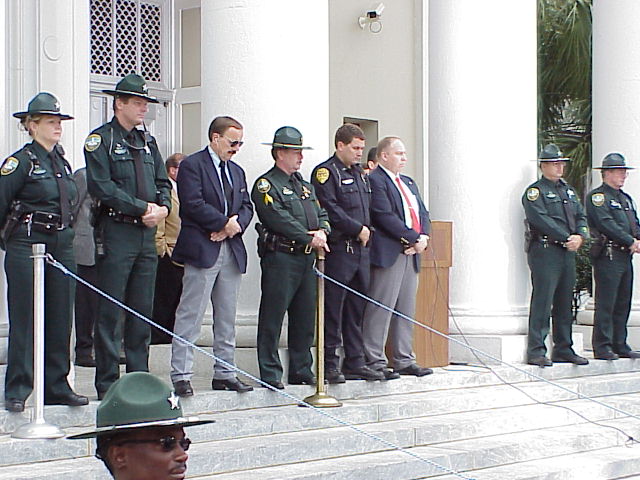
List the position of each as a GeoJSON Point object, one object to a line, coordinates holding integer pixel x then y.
{"type": "Point", "coordinates": [372, 17]}
{"type": "Point", "coordinates": [377, 12]}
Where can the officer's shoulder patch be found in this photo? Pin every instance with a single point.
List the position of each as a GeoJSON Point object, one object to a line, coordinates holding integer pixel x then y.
{"type": "Point", "coordinates": [322, 175]}
{"type": "Point", "coordinates": [9, 166]}
{"type": "Point", "coordinates": [263, 185]}
{"type": "Point", "coordinates": [532, 194]}
{"type": "Point", "coordinates": [597, 199]}
{"type": "Point", "coordinates": [92, 142]}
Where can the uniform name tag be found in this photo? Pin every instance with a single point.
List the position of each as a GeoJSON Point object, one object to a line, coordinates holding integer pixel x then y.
{"type": "Point", "coordinates": [347, 181]}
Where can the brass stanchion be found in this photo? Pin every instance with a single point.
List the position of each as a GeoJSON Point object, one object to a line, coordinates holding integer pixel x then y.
{"type": "Point", "coordinates": [38, 427]}
{"type": "Point", "coordinates": [321, 398]}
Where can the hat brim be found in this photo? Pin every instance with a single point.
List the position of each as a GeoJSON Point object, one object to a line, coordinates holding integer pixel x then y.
{"type": "Point", "coordinates": [132, 94]}
{"type": "Point", "coordinates": [614, 168]}
{"type": "Point", "coordinates": [175, 422]}
{"type": "Point", "coordinates": [561, 159]}
{"type": "Point", "coordinates": [287, 145]}
{"type": "Point", "coordinates": [43, 112]}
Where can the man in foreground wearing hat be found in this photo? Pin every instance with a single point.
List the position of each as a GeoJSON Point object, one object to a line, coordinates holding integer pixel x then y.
{"type": "Point", "coordinates": [293, 227]}
{"type": "Point", "coordinates": [126, 175]}
{"type": "Point", "coordinates": [614, 225]}
{"type": "Point", "coordinates": [557, 228]}
{"type": "Point", "coordinates": [139, 432]}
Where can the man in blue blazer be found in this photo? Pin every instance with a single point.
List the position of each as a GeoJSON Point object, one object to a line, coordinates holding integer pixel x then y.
{"type": "Point", "coordinates": [215, 211]}
{"type": "Point", "coordinates": [402, 228]}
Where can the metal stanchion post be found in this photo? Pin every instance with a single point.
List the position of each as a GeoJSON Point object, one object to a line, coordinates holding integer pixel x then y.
{"type": "Point", "coordinates": [321, 398]}
{"type": "Point", "coordinates": [38, 427]}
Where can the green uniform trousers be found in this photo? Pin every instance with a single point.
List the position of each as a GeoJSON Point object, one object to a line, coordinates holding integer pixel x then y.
{"type": "Point", "coordinates": [126, 272]}
{"type": "Point", "coordinates": [553, 276]}
{"type": "Point", "coordinates": [614, 284]}
{"type": "Point", "coordinates": [288, 285]}
{"type": "Point", "coordinates": [59, 293]}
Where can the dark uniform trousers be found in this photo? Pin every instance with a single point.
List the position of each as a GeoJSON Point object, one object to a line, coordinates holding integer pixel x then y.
{"type": "Point", "coordinates": [59, 292]}
{"type": "Point", "coordinates": [166, 299]}
{"type": "Point", "coordinates": [288, 282]}
{"type": "Point", "coordinates": [553, 279]}
{"type": "Point", "coordinates": [86, 307]}
{"type": "Point", "coordinates": [614, 283]}
{"type": "Point", "coordinates": [126, 272]}
{"type": "Point", "coordinates": [343, 310]}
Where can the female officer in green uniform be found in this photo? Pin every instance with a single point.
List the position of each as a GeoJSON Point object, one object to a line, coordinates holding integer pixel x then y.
{"type": "Point", "coordinates": [36, 199]}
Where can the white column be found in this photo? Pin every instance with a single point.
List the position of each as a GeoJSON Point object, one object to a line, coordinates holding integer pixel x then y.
{"type": "Point", "coordinates": [266, 64]}
{"type": "Point", "coordinates": [482, 147]}
{"type": "Point", "coordinates": [616, 103]}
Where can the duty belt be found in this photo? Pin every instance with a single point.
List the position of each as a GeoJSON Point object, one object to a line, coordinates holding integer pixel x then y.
{"type": "Point", "coordinates": [291, 246]}
{"type": "Point", "coordinates": [120, 217]}
{"type": "Point", "coordinates": [546, 241]}
{"type": "Point", "coordinates": [43, 222]}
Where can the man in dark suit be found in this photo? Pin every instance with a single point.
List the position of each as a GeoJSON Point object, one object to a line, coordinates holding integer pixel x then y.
{"type": "Point", "coordinates": [215, 210]}
{"type": "Point", "coordinates": [402, 228]}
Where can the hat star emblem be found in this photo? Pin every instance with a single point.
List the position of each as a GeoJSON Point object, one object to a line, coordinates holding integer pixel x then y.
{"type": "Point", "coordinates": [174, 400]}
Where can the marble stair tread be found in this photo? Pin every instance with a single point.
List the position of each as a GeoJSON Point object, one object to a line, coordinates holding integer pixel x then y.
{"type": "Point", "coordinates": [449, 417]}
{"type": "Point", "coordinates": [476, 459]}
{"type": "Point", "coordinates": [208, 401]}
{"type": "Point", "coordinates": [498, 438]}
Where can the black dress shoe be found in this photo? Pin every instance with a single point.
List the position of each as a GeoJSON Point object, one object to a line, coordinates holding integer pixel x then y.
{"type": "Point", "coordinates": [334, 376]}
{"type": "Point", "coordinates": [363, 373]}
{"type": "Point", "coordinates": [231, 384]}
{"type": "Point", "coordinates": [606, 355]}
{"type": "Point", "coordinates": [183, 388]}
{"type": "Point", "coordinates": [415, 370]}
{"type": "Point", "coordinates": [71, 399]}
{"type": "Point", "coordinates": [296, 380]}
{"type": "Point", "coordinates": [14, 405]}
{"type": "Point", "coordinates": [540, 362]}
{"type": "Point", "coordinates": [570, 358]}
{"type": "Point", "coordinates": [101, 395]}
{"type": "Point", "coordinates": [389, 374]}
{"type": "Point", "coordinates": [85, 361]}
{"type": "Point", "coordinates": [629, 354]}
{"type": "Point", "coordinates": [275, 384]}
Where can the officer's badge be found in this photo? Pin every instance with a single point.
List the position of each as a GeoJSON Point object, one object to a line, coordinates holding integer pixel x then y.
{"type": "Point", "coordinates": [92, 142]}
{"type": "Point", "coordinates": [570, 193]}
{"type": "Point", "coordinates": [9, 166]}
{"type": "Point", "coordinates": [287, 190]}
{"type": "Point", "coordinates": [597, 199]}
{"type": "Point", "coordinates": [322, 175]}
{"type": "Point", "coordinates": [532, 194]}
{"type": "Point", "coordinates": [119, 149]}
{"type": "Point", "coordinates": [263, 185]}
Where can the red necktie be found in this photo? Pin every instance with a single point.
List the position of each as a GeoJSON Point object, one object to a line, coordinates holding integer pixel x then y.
{"type": "Point", "coordinates": [415, 221]}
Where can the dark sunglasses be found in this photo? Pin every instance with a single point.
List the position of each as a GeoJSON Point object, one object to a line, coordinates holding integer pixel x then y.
{"type": "Point", "coordinates": [233, 143]}
{"type": "Point", "coordinates": [167, 443]}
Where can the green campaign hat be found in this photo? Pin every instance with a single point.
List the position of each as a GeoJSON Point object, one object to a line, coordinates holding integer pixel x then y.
{"type": "Point", "coordinates": [139, 400]}
{"type": "Point", "coordinates": [288, 137]}
{"type": "Point", "coordinates": [614, 160]}
{"type": "Point", "coordinates": [551, 153]}
{"type": "Point", "coordinates": [132, 84]}
{"type": "Point", "coordinates": [43, 103]}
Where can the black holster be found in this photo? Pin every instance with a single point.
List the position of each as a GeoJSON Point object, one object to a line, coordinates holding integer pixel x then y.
{"type": "Point", "coordinates": [13, 219]}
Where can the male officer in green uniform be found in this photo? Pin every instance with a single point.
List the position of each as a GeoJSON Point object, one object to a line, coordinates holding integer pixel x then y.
{"type": "Point", "coordinates": [140, 430]}
{"type": "Point", "coordinates": [293, 226]}
{"type": "Point", "coordinates": [557, 228]}
{"type": "Point", "coordinates": [614, 225]}
{"type": "Point", "coordinates": [126, 175]}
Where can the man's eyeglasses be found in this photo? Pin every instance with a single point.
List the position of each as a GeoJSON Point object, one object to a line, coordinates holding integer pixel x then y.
{"type": "Point", "coordinates": [233, 143]}
{"type": "Point", "coordinates": [167, 443]}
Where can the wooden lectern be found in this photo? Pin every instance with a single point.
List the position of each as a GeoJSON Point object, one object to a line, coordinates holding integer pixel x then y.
{"type": "Point", "coordinates": [432, 303]}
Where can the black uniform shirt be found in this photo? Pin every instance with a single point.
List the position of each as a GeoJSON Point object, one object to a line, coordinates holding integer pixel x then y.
{"type": "Point", "coordinates": [345, 194]}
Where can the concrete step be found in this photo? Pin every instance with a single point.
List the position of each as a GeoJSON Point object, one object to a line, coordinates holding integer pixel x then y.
{"type": "Point", "coordinates": [460, 430]}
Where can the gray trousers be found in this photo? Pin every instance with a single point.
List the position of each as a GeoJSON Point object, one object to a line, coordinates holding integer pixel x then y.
{"type": "Point", "coordinates": [395, 287]}
{"type": "Point", "coordinates": [220, 283]}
